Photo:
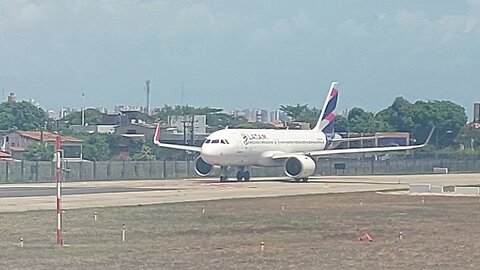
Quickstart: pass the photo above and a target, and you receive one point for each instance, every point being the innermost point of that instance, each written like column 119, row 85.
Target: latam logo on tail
column 297, row 151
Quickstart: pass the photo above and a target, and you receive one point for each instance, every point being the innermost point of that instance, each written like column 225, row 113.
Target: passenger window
column 214, row 141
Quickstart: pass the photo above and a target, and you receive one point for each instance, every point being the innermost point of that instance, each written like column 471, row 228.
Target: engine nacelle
column 202, row 168
column 299, row 166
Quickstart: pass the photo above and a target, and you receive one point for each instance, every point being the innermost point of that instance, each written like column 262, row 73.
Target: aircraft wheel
column 223, row 178
column 246, row 176
column 240, row 175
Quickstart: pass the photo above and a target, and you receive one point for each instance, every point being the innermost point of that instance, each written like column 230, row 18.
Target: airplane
column 297, row 151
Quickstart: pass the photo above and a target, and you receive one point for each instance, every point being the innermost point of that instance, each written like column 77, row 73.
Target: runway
column 41, row 196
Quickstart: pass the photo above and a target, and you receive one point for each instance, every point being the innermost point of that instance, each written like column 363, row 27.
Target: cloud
column 283, row 29
column 415, row 25
column 452, row 26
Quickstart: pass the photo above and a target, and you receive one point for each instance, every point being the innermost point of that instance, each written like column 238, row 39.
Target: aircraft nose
column 210, row 154
column 211, row 151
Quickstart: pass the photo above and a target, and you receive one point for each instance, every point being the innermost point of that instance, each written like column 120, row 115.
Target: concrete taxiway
column 41, row 196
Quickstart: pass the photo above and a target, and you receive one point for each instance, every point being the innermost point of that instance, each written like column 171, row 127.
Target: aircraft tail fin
column 326, row 119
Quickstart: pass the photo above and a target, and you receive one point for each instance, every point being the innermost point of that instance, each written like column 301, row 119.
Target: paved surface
column 25, row 197
column 29, row 191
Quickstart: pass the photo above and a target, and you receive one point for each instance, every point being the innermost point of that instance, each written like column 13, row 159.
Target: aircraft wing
column 179, row 147
column 354, row 150
column 352, row 139
column 364, row 150
column 156, row 140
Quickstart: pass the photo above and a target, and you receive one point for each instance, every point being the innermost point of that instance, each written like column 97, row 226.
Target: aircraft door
column 242, row 148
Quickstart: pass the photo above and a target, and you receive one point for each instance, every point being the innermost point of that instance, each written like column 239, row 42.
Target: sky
column 239, row 54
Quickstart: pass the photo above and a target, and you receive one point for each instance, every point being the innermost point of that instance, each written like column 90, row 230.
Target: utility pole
column 58, row 176
column 192, row 133
column 147, row 108
column 181, row 95
column 184, row 122
column 83, row 108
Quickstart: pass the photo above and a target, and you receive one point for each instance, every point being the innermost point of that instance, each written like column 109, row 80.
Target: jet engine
column 299, row 167
column 202, row 168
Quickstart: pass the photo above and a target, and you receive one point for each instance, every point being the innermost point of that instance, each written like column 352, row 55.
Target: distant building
column 298, row 125
column 52, row 114
column 102, row 109
column 476, row 112
column 199, row 123
column 261, row 116
column 4, row 156
column 34, row 102
column 473, row 125
column 279, row 116
column 254, row 115
column 106, row 129
column 245, row 113
column 12, row 97
column 122, row 108
column 136, row 130
column 278, row 124
column 66, row 111
column 125, row 117
column 17, row 142
column 377, row 139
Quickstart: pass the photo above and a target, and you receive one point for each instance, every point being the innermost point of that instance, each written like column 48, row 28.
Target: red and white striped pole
column 58, row 177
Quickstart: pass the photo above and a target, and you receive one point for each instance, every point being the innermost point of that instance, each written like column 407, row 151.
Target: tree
column 341, row 124
column 21, row 115
column 469, row 138
column 216, row 118
column 294, row 111
column 92, row 117
column 95, row 146
column 420, row 117
column 365, row 122
column 40, row 152
column 447, row 117
column 399, row 115
column 302, row 113
column 145, row 153
column 255, row 125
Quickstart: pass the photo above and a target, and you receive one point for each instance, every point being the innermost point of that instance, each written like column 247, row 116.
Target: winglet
column 156, row 138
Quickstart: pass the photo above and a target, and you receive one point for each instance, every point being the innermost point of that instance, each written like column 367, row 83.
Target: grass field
column 314, row 232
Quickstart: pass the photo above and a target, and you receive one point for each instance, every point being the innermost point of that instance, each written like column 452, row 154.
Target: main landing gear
column 243, row 174
column 305, row 179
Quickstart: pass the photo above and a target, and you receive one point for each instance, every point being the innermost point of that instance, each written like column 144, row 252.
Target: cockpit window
column 215, row 141
column 227, row 142
column 207, row 141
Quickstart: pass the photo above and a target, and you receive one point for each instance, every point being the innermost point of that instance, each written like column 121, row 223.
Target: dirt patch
column 314, row 232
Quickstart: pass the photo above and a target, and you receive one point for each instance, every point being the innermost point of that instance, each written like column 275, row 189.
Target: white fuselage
column 255, row 147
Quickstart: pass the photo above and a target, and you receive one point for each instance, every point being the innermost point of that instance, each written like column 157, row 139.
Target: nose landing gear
column 242, row 175
column 224, row 174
